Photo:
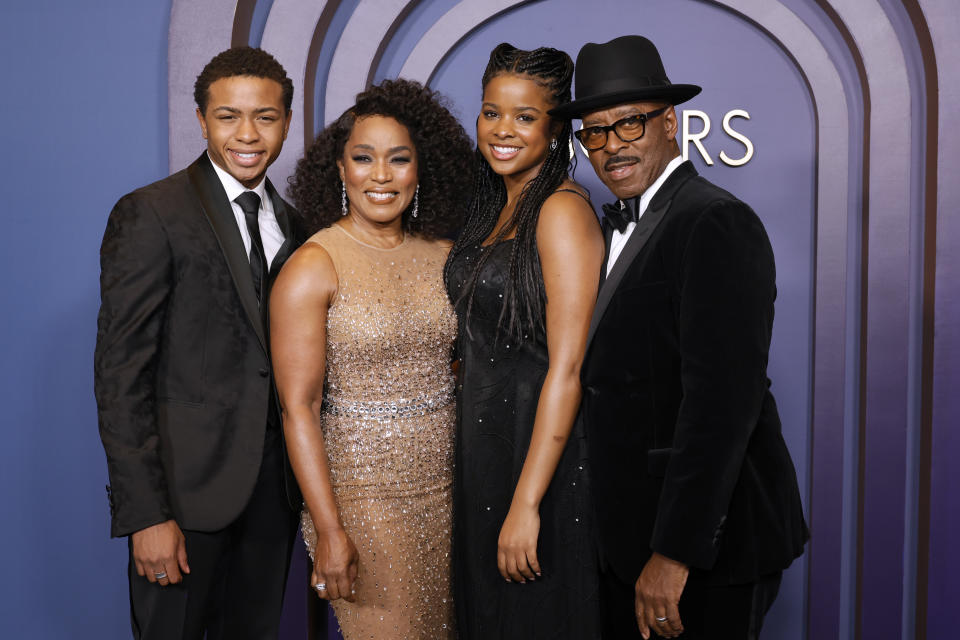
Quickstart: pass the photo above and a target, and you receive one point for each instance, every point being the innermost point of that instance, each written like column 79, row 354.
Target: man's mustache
column 615, row 160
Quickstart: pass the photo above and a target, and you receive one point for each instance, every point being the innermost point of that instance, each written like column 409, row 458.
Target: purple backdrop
column 857, row 145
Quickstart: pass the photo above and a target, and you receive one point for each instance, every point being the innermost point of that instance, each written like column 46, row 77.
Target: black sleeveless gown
column 499, row 389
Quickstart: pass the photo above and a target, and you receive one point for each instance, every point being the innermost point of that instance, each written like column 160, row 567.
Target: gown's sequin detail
column 387, row 423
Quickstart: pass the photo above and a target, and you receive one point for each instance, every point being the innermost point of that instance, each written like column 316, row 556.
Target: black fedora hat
column 626, row 69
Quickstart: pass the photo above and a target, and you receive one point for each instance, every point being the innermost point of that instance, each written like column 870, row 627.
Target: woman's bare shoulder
column 309, row 271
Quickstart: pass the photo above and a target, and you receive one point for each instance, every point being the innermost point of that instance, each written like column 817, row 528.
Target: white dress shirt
column 619, row 240
column 270, row 233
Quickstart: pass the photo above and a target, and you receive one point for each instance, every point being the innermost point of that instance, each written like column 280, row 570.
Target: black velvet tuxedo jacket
column 685, row 443
column 182, row 368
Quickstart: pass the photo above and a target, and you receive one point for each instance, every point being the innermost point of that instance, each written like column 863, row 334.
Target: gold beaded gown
column 388, row 419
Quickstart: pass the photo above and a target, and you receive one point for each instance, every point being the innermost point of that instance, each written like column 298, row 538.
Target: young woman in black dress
column 523, row 277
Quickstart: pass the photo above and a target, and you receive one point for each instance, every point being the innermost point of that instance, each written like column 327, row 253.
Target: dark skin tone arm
column 298, row 324
column 571, row 252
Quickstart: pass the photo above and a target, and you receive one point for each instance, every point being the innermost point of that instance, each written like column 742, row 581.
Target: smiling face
column 628, row 168
column 379, row 170
column 245, row 125
column 514, row 130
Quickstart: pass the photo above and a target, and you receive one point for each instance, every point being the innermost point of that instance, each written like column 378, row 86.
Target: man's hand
column 160, row 553
column 658, row 593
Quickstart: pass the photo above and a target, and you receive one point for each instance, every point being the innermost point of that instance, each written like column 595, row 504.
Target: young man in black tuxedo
column 187, row 407
column 696, row 495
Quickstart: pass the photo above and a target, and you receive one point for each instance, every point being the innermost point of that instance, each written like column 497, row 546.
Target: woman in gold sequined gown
column 361, row 333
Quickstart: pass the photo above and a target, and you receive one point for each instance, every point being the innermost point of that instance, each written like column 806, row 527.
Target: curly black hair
column 444, row 160
column 524, row 301
column 241, row 61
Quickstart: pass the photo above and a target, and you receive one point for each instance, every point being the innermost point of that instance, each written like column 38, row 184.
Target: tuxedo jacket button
column 263, row 373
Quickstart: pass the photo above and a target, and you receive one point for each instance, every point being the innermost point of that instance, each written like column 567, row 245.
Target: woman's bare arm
column 571, row 252
column 299, row 302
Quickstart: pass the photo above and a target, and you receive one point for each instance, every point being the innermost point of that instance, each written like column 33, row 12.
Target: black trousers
column 237, row 575
column 729, row 612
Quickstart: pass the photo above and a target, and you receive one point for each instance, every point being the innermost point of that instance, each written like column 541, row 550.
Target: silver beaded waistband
column 403, row 408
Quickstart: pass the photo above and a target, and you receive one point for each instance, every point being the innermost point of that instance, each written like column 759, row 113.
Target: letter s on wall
column 736, row 135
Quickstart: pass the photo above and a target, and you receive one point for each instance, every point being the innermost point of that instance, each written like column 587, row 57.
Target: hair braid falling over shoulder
column 524, row 300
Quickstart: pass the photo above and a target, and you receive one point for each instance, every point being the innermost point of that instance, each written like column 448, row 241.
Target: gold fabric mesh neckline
column 370, row 246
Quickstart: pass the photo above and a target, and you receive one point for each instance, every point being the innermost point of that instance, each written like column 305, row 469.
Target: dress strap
column 578, row 193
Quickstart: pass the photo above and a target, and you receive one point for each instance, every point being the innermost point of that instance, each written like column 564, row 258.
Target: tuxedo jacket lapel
column 220, row 214
column 641, row 233
column 607, row 237
column 647, row 224
column 286, row 226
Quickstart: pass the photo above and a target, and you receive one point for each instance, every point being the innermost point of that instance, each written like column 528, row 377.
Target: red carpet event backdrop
column 835, row 120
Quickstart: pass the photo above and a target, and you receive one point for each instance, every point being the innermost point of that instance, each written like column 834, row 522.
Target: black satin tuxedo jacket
column 685, row 441
column 182, row 368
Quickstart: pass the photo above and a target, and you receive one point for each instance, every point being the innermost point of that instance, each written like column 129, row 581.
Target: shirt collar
column 641, row 202
column 233, row 187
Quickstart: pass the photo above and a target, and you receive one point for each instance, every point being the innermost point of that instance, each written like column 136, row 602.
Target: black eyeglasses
column 627, row 129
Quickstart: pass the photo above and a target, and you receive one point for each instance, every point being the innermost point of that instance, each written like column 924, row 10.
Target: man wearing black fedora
column 696, row 495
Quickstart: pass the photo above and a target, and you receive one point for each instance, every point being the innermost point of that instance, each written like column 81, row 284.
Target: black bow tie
column 621, row 213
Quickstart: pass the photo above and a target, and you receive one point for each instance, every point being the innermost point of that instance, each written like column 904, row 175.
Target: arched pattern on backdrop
column 939, row 480
column 875, row 235
column 885, row 314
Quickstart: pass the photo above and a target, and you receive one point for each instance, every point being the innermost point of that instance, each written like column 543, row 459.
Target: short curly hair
column 444, row 160
column 241, row 61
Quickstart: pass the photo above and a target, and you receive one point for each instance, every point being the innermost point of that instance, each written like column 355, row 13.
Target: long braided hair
column 524, row 299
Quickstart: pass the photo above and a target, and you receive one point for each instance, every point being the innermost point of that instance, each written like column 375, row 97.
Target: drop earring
column 553, row 145
column 343, row 199
column 416, row 202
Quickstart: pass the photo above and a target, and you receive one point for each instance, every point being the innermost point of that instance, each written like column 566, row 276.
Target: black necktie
column 250, row 203
column 619, row 217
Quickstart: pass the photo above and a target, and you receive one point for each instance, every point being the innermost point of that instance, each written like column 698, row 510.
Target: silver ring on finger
column 320, row 586
column 660, row 620
column 160, row 575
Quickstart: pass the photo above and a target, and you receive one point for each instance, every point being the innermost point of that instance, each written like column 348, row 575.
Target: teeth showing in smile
column 505, row 151
column 380, row 197
column 619, row 169
column 246, row 156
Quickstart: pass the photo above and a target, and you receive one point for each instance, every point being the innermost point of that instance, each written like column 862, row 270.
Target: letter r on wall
column 695, row 138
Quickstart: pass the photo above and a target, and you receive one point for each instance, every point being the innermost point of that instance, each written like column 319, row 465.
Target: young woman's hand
column 517, row 545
